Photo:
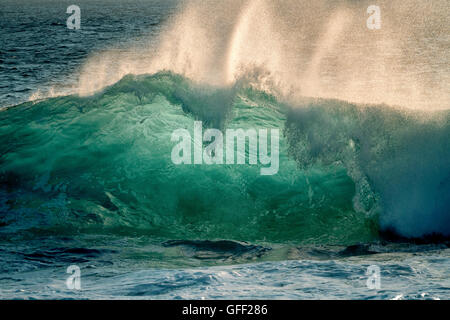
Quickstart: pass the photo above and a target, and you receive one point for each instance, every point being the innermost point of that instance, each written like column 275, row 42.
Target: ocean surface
column 86, row 177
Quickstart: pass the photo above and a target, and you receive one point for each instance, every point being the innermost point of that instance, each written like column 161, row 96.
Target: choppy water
column 136, row 268
column 87, row 180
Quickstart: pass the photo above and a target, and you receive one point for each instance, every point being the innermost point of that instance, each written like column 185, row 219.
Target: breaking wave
column 102, row 163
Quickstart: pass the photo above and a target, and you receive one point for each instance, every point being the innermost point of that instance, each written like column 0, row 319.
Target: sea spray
column 318, row 49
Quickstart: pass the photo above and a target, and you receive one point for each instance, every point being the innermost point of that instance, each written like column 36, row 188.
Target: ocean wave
column 102, row 164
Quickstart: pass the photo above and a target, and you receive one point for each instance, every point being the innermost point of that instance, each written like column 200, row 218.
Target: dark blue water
column 38, row 51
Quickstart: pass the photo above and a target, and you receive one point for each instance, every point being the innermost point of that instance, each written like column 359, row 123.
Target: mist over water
column 299, row 48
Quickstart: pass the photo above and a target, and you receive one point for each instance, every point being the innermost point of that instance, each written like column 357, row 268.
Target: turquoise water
column 103, row 163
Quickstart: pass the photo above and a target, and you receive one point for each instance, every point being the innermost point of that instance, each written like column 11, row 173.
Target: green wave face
column 102, row 164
